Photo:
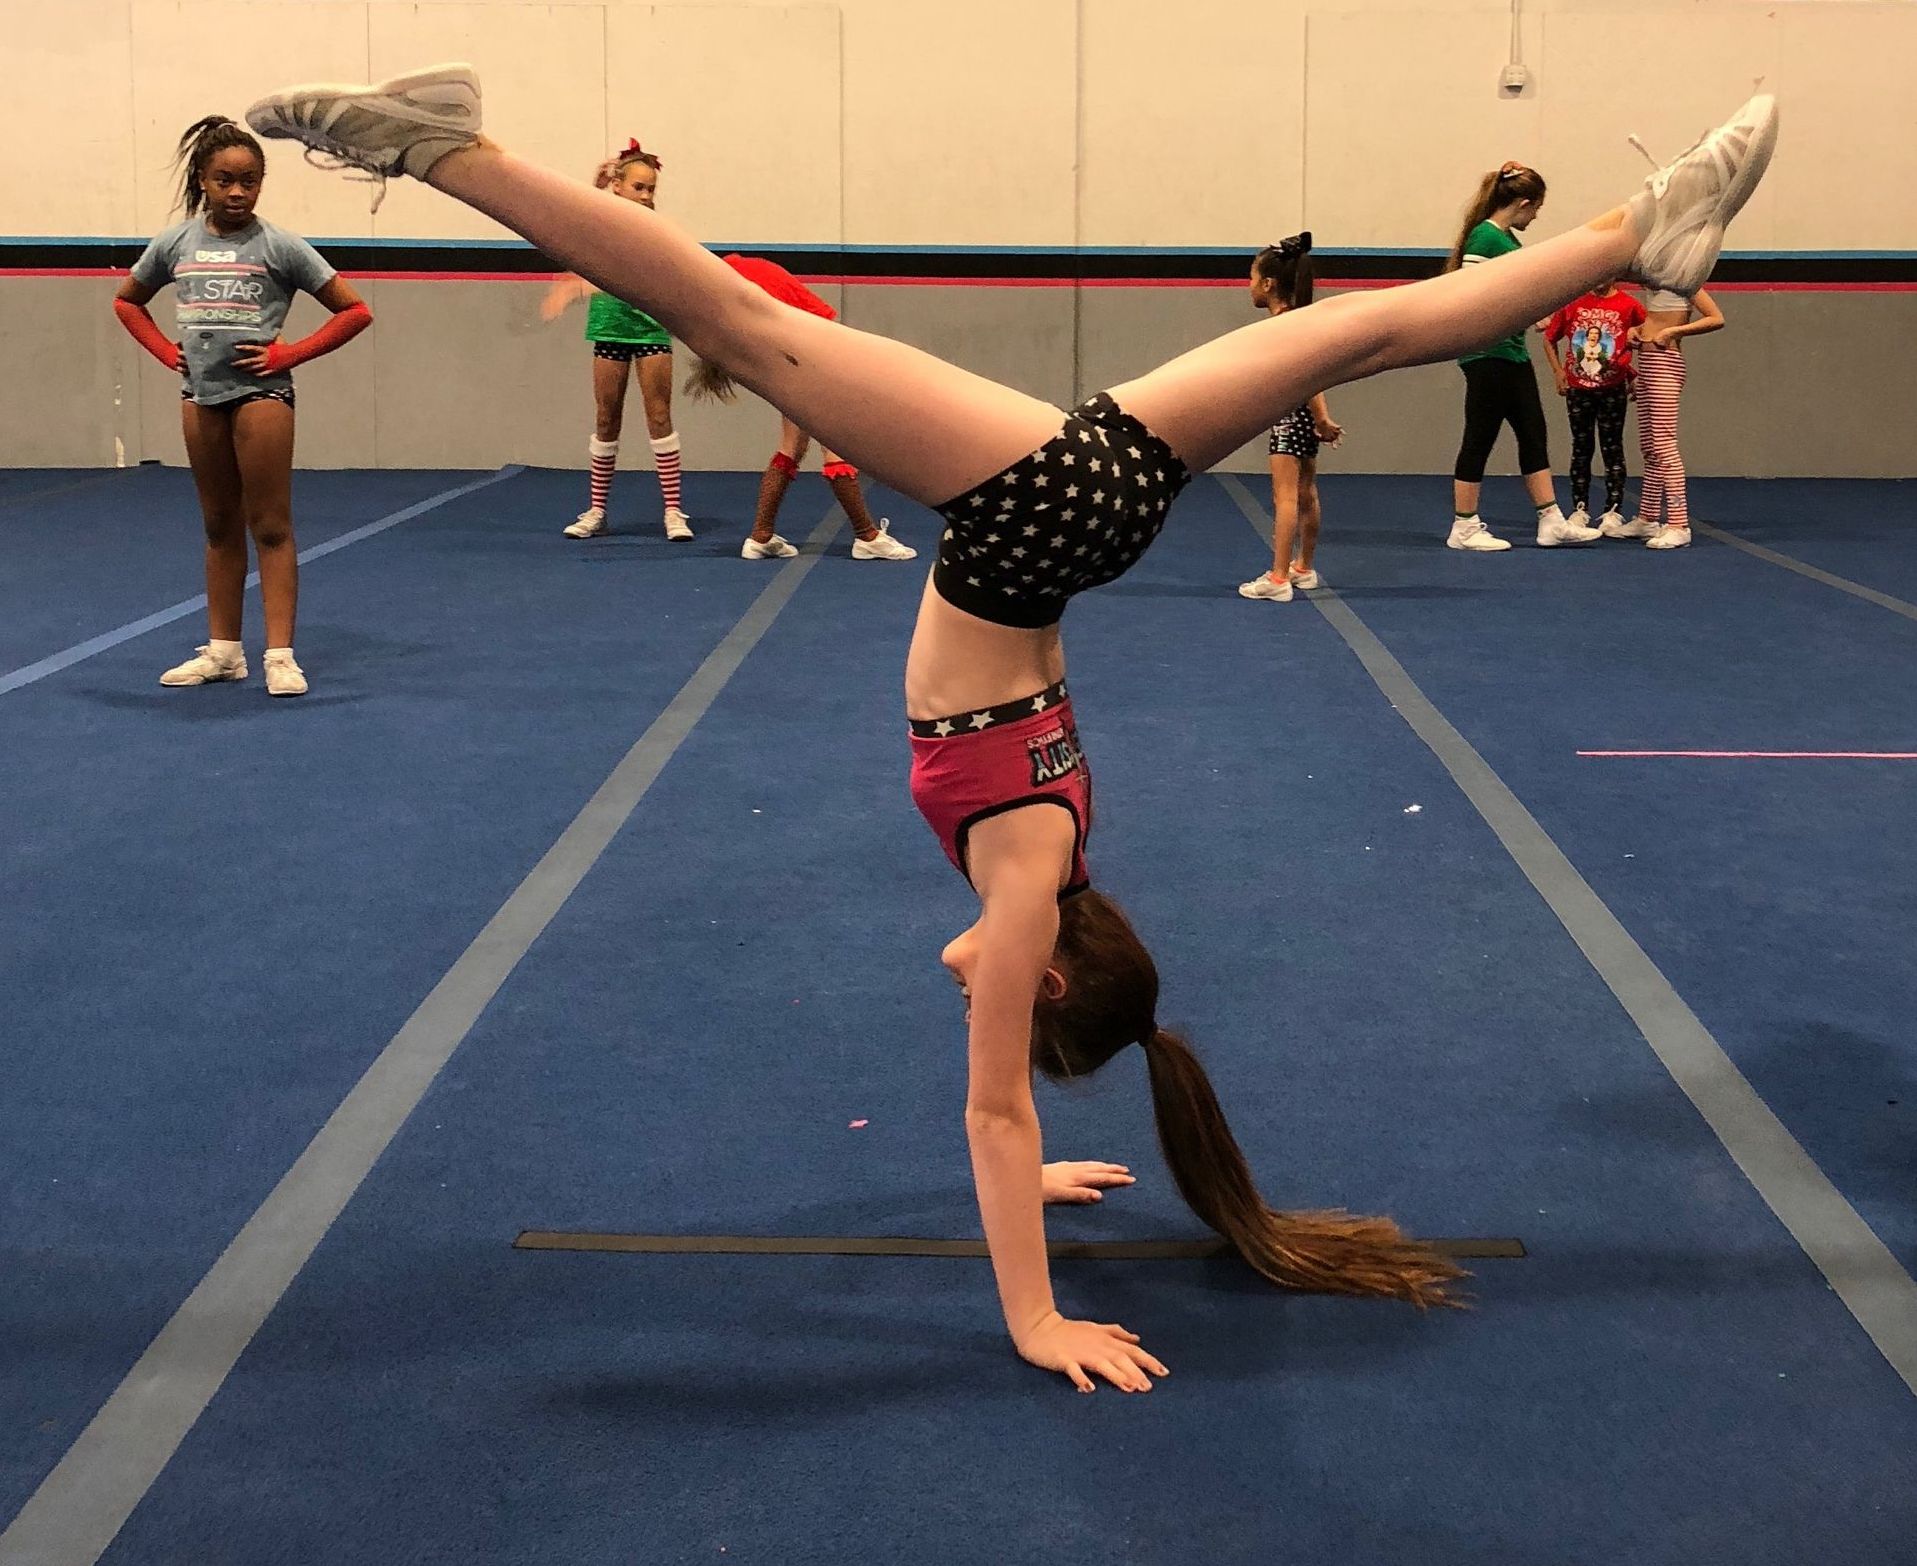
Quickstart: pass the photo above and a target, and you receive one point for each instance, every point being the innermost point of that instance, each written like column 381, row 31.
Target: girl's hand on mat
column 1083, row 1182
column 1083, row 1349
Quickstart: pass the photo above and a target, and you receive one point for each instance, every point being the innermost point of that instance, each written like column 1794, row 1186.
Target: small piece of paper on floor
column 858, row 1125
column 1412, row 810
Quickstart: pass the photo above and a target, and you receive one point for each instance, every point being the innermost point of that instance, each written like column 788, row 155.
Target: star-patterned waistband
column 963, row 723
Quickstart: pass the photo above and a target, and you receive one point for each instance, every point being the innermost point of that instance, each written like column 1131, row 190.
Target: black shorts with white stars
column 1076, row 513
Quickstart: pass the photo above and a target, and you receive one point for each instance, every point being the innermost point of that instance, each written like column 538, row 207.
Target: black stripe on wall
column 963, row 265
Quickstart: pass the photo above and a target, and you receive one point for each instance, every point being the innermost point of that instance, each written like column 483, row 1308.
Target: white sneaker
column 774, row 548
column 1669, row 538
column 206, row 669
column 1685, row 206
column 1612, row 525
column 400, row 126
column 678, row 526
column 883, row 546
column 283, row 676
column 1306, row 581
column 591, row 523
column 1555, row 528
column 1264, row 587
column 1471, row 533
column 1579, row 518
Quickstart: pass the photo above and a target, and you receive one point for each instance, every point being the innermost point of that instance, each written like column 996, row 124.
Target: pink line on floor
column 1764, row 755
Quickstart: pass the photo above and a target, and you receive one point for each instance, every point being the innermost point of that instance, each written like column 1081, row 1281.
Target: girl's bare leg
column 263, row 444
column 1309, row 515
column 655, row 390
column 608, row 397
column 1209, row 402
column 926, row 428
column 1284, row 515
column 216, row 476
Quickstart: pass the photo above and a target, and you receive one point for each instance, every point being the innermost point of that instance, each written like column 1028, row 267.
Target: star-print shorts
column 1076, row 513
column 625, row 353
column 1295, row 435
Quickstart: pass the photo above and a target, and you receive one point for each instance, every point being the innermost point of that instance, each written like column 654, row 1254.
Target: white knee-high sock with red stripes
column 665, row 452
column 605, row 458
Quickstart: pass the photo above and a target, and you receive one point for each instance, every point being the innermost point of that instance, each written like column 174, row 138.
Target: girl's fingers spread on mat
column 1083, row 1182
column 1125, row 1376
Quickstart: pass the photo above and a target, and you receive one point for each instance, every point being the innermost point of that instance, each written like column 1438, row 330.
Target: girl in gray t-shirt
column 234, row 278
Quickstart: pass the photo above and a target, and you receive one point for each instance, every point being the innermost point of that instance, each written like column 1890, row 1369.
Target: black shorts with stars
column 1076, row 513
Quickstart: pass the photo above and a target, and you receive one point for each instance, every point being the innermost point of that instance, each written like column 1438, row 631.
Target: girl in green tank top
column 626, row 344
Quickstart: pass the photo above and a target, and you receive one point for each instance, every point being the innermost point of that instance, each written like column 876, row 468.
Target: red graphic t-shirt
column 786, row 288
column 1595, row 331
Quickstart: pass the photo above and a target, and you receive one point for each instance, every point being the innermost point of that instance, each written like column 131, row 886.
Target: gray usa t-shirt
column 230, row 289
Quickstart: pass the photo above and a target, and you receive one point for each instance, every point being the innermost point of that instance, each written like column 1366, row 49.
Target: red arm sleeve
column 145, row 331
column 340, row 329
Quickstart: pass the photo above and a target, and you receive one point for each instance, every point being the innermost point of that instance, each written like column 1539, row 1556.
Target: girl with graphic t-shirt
column 234, row 277
column 1596, row 387
column 623, row 339
column 1499, row 386
column 1041, row 504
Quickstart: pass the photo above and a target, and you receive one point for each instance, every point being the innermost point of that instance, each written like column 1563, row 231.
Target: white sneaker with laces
column 1306, row 581
column 774, row 548
column 1612, row 525
column 1555, row 528
column 1264, row 587
column 1471, row 533
column 1686, row 205
column 206, row 669
column 590, row 524
column 882, row 545
column 284, row 677
column 1669, row 538
column 1579, row 518
column 403, row 125
column 678, row 526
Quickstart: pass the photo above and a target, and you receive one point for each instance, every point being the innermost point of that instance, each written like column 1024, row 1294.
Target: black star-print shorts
column 1076, row 513
column 1295, row 435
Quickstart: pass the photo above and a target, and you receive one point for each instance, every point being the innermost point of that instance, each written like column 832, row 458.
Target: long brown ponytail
column 1111, row 1000
column 198, row 142
column 1321, row 1252
column 1497, row 190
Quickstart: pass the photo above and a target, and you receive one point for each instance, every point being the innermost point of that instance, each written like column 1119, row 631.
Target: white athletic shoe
column 206, row 669
column 883, row 546
column 1612, row 525
column 1669, row 538
column 1555, row 528
column 678, row 527
column 400, row 126
column 1306, row 581
column 283, row 676
column 591, row 523
column 774, row 548
column 1579, row 518
column 1471, row 533
column 1262, row 586
column 1685, row 206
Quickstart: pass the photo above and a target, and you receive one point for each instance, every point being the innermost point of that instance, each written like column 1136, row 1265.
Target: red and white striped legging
column 1660, row 382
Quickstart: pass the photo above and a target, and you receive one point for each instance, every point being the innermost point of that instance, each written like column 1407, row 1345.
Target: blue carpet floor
column 221, row 908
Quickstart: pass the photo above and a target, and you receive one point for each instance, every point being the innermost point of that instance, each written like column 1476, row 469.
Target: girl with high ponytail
column 235, row 276
column 1500, row 386
column 1281, row 281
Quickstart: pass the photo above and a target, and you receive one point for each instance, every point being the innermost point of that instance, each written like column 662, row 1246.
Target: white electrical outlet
column 1515, row 78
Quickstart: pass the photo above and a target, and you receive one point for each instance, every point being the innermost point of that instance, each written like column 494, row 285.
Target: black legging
column 1597, row 417
column 1497, row 392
